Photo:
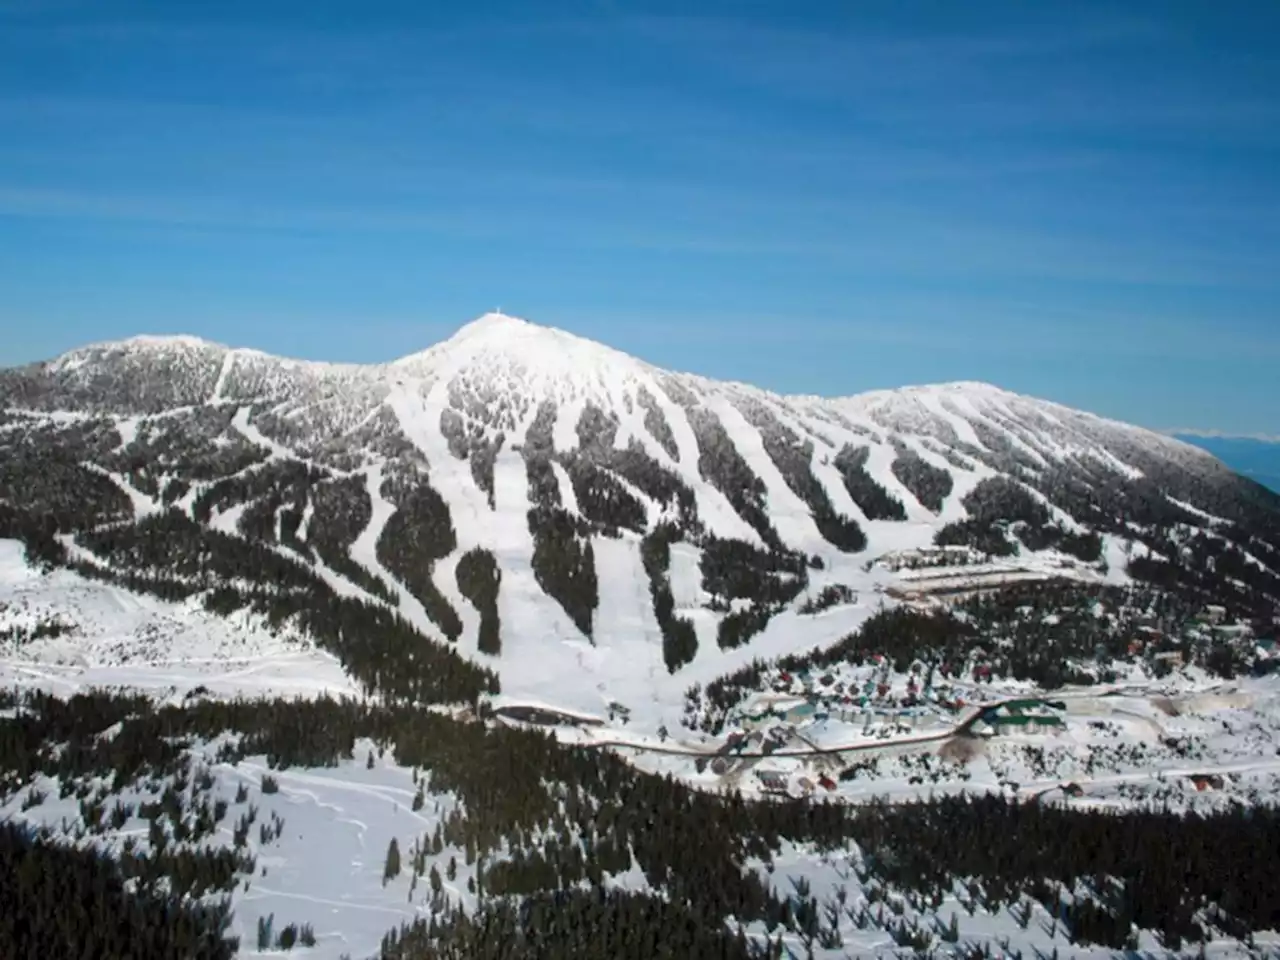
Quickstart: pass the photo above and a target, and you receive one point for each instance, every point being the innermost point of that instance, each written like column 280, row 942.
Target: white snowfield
column 112, row 637
column 325, row 868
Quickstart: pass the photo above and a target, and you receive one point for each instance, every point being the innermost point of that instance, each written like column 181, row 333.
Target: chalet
column 806, row 785
column 1073, row 790
column 799, row 713
column 1171, row 657
column 826, row 783
column 1022, row 716
column 1206, row 781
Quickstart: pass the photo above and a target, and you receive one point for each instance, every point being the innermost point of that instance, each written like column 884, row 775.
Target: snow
column 240, row 422
column 685, row 574
column 568, row 497
column 546, row 361
column 336, row 885
column 934, row 403
column 789, row 514
column 143, row 505
column 365, row 552
column 127, row 427
column 681, row 430
column 146, row 340
column 541, row 646
column 628, row 653
column 228, row 521
column 564, row 432
column 1113, row 552
column 228, row 364
column 418, row 408
column 121, row 638
column 544, row 655
column 1197, row 512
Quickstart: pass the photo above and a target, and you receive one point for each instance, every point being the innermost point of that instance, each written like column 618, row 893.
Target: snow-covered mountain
column 732, row 591
column 520, row 507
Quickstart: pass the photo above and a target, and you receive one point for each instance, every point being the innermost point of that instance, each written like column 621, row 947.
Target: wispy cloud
column 240, row 214
column 901, row 242
column 1270, row 438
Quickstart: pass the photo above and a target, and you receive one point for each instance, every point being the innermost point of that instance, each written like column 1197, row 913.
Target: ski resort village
column 879, row 724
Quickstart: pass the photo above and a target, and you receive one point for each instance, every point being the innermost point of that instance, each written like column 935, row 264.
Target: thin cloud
column 219, row 213
column 921, row 245
column 1223, row 435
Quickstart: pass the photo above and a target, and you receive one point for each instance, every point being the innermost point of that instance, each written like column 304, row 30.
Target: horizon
column 1078, row 206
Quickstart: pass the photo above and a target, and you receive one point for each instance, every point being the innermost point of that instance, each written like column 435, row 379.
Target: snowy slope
column 115, row 637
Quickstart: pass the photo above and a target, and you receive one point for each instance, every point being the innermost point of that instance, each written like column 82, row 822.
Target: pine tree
column 264, row 931
column 391, row 868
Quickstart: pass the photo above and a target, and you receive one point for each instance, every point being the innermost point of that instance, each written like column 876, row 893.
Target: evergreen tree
column 391, row 866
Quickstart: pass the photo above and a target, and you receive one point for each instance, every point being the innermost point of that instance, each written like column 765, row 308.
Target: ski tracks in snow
column 364, row 551
column 419, row 418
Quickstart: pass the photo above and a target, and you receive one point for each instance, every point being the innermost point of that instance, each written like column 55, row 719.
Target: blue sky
column 1258, row 458
column 1078, row 201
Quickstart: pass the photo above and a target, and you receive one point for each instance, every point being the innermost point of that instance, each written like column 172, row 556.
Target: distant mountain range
column 1254, row 458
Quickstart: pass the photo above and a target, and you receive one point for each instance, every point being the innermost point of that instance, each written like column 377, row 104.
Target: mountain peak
column 498, row 330
column 493, row 323
column 519, row 351
column 146, row 342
